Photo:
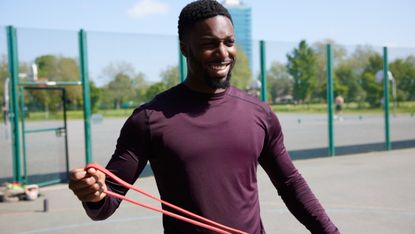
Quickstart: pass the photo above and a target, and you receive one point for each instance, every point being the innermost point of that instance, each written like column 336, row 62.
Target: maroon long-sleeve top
column 204, row 150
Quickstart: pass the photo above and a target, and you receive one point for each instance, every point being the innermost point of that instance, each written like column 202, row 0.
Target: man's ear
column 183, row 49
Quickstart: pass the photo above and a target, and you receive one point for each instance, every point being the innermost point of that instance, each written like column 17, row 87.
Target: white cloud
column 145, row 8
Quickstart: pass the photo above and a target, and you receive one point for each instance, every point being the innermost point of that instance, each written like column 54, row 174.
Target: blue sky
column 348, row 22
column 352, row 22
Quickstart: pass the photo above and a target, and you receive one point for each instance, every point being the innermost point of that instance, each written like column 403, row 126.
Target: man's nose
column 222, row 51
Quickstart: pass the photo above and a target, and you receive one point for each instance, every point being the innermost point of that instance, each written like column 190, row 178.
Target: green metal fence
column 280, row 72
column 21, row 78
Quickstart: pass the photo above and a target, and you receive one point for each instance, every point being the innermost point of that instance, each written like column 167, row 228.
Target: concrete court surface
column 301, row 132
column 363, row 193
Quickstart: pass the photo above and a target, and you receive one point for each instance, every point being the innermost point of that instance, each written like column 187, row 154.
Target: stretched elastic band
column 203, row 222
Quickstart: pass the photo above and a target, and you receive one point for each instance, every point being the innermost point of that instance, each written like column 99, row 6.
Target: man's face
column 211, row 51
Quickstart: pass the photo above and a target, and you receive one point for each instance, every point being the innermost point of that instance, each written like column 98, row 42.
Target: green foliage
column 94, row 94
column 4, row 73
column 170, row 76
column 339, row 53
column 302, row 67
column 403, row 71
column 368, row 80
column 155, row 89
column 348, row 75
column 241, row 73
column 121, row 90
column 346, row 83
column 125, row 88
column 304, row 77
column 57, row 68
column 279, row 82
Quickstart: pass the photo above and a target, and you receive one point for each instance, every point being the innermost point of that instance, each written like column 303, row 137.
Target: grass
column 75, row 114
column 401, row 108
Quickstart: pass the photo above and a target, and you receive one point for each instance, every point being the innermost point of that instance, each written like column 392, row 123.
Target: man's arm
column 127, row 162
column 291, row 186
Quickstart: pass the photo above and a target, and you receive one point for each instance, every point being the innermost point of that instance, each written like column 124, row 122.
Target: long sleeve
column 127, row 162
column 290, row 184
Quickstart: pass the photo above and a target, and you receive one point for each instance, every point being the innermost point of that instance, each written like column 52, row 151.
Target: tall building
column 241, row 16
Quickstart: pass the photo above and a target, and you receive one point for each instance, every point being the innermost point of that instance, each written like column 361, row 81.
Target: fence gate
column 44, row 135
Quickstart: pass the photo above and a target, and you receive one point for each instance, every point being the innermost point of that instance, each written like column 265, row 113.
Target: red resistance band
column 195, row 219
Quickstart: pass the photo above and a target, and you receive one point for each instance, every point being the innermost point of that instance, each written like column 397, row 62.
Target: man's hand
column 88, row 186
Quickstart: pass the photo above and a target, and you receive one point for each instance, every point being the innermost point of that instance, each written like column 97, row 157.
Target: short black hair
column 199, row 10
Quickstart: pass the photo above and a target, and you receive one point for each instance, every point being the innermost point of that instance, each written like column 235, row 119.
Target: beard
column 218, row 84
column 213, row 82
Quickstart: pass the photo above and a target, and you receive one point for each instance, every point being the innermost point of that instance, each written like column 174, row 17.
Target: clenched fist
column 88, row 185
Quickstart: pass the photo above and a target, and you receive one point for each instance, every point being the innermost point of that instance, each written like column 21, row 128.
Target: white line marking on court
column 351, row 210
column 72, row 226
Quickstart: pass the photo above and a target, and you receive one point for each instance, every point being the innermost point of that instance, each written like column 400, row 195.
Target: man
column 204, row 140
column 339, row 101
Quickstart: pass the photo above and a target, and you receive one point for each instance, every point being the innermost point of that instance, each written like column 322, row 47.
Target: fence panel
column 402, row 87
column 149, row 62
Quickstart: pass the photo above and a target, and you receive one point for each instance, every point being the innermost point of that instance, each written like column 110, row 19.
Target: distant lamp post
column 379, row 79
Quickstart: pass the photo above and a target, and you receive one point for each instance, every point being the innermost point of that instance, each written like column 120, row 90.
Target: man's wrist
column 95, row 205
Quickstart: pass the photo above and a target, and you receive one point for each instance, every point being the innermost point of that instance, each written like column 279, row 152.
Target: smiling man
column 210, row 48
column 204, row 140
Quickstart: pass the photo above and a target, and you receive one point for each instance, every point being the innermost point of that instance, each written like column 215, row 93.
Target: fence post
column 14, row 107
column 263, row 71
column 182, row 65
column 331, row 149
column 386, row 97
column 83, row 63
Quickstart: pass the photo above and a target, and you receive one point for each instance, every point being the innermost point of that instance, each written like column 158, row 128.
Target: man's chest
column 197, row 139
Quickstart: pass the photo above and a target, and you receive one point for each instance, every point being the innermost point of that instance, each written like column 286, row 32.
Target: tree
column 110, row 71
column 170, row 76
column 155, row 89
column 347, row 83
column 280, row 83
column 339, row 53
column 120, row 90
column 140, row 86
column 95, row 94
column 241, row 73
column 368, row 80
column 403, row 71
column 302, row 67
column 349, row 73
column 125, row 88
column 3, row 75
column 58, row 68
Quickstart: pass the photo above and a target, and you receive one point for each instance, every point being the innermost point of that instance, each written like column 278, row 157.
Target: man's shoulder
column 248, row 99
column 168, row 94
column 160, row 101
column 163, row 97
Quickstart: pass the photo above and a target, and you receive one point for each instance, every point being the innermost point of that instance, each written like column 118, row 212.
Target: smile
column 219, row 66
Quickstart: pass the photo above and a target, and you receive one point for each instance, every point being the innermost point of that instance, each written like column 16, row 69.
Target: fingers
column 88, row 186
column 94, row 193
column 77, row 174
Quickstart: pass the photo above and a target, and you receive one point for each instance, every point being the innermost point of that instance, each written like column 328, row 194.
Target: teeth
column 218, row 67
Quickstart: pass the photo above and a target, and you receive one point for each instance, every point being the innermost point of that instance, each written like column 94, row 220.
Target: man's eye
column 208, row 44
column 230, row 42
